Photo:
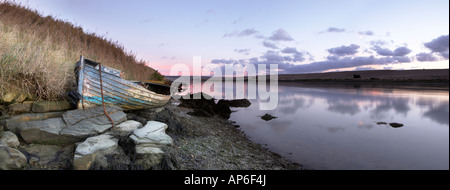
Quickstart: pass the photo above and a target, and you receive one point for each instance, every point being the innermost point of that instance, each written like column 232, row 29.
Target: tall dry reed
column 37, row 54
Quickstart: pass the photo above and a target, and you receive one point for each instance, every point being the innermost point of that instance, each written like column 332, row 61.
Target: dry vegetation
column 38, row 54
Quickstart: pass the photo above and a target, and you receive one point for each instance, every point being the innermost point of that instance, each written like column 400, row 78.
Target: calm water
column 335, row 126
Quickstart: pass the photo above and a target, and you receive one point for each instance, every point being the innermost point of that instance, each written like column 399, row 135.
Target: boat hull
column 117, row 91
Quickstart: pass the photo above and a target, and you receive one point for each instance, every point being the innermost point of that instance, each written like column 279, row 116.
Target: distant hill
column 432, row 74
column 372, row 75
column 38, row 54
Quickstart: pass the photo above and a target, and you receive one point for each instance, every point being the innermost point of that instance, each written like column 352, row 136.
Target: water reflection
column 399, row 105
column 330, row 127
column 350, row 108
column 363, row 125
column 439, row 114
column 290, row 103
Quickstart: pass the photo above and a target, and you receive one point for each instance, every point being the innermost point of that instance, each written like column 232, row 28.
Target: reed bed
column 38, row 54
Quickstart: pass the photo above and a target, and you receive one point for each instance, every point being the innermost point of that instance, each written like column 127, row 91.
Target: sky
column 300, row 36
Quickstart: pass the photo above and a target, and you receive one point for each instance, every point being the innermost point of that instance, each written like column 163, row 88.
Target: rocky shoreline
column 213, row 143
column 166, row 138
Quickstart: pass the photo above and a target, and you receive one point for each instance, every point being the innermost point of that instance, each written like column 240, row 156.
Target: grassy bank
column 37, row 54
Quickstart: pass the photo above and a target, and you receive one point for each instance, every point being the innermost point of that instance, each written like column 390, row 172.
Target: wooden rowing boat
column 126, row 94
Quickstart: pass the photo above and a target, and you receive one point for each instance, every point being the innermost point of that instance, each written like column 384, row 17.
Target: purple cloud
column 401, row 51
column 243, row 51
column 344, row 50
column 334, row 29
column 281, row 35
column 270, row 45
column 440, row 44
column 366, row 33
column 284, row 63
column 246, row 32
column 297, row 56
column 422, row 57
column 273, row 56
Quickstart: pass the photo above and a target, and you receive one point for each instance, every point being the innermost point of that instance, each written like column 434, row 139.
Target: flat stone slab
column 46, row 132
column 152, row 134
column 74, row 126
column 93, row 126
column 88, row 151
column 74, row 116
column 50, row 106
column 96, row 144
column 126, row 128
column 16, row 122
column 19, row 108
column 44, row 153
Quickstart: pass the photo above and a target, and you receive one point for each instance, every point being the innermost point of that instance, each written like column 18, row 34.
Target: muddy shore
column 210, row 143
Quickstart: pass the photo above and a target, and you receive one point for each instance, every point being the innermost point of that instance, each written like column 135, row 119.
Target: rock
column 9, row 139
column 96, row 144
column 50, row 106
column 396, row 125
column 268, row 117
column 93, row 126
column 152, row 135
column 157, row 110
column 175, row 121
column 200, row 113
column 74, row 116
column 116, row 160
column 22, row 97
column 140, row 119
column 205, row 103
column 148, row 141
column 11, row 159
column 147, row 157
column 126, row 128
column 44, row 153
column 31, row 97
column 54, row 131
column 84, row 162
column 223, row 109
column 15, row 122
column 9, row 97
column 87, row 152
column 2, row 110
column 46, row 132
column 243, row 103
column 33, row 160
column 169, row 160
column 19, row 108
column 206, row 107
